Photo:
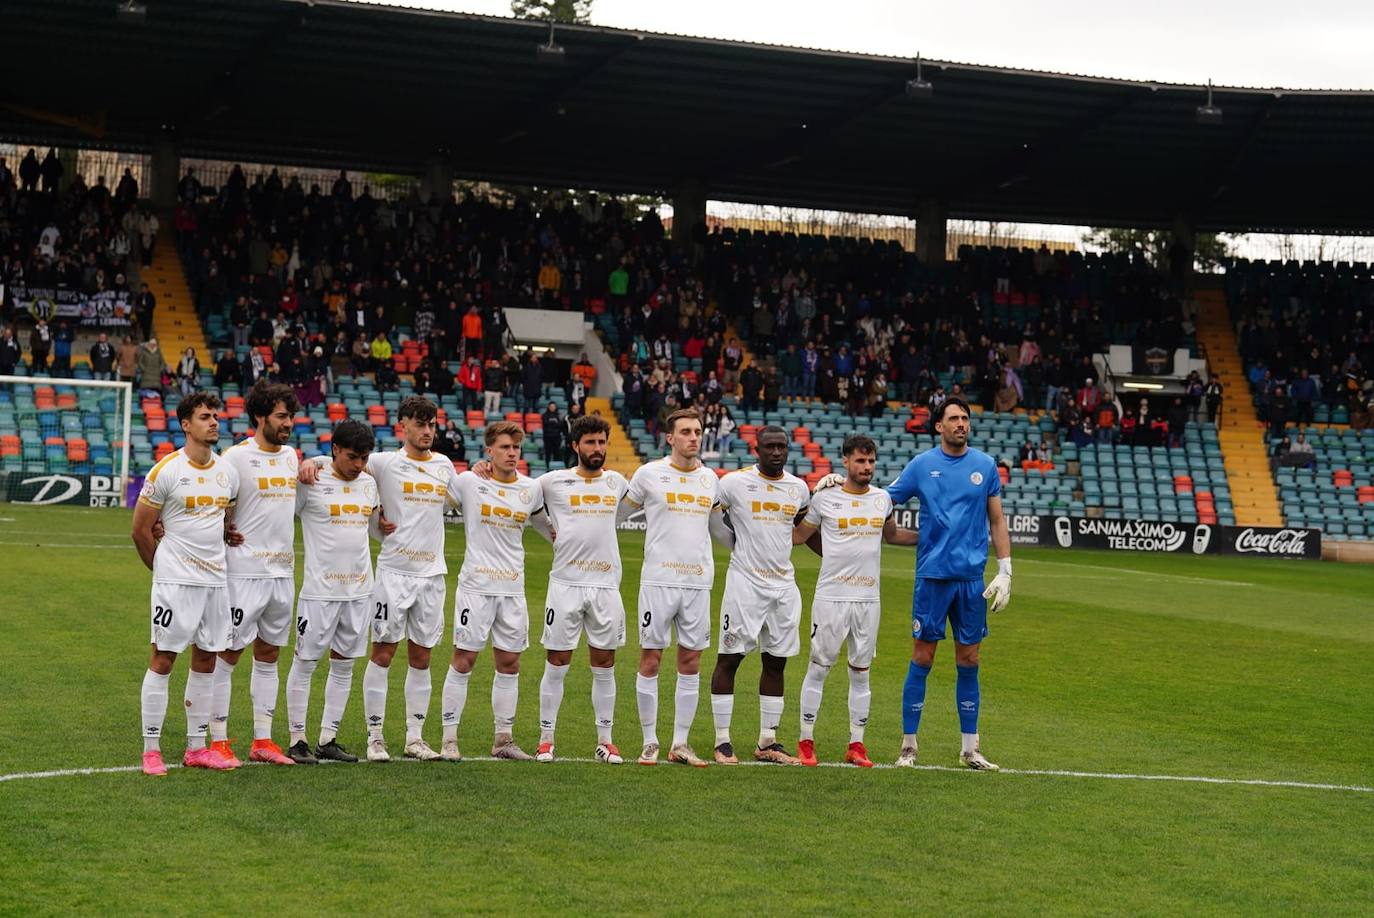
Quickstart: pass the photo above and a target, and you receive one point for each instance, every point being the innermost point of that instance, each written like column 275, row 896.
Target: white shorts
column 337, row 625
column 570, row 609
column 407, row 607
column 660, row 608
column 184, row 614
column 260, row 608
column 479, row 616
column 832, row 623
column 753, row 617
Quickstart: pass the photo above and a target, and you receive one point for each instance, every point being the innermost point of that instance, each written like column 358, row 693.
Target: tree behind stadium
column 573, row 11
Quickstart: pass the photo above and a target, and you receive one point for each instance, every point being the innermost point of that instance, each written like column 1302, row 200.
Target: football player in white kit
column 188, row 491
column 761, row 608
column 489, row 603
column 416, row 486
column 854, row 521
column 262, row 566
column 337, row 513
column 584, row 583
column 678, row 496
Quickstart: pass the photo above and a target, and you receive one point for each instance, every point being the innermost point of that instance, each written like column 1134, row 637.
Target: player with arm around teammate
column 261, row 566
column 584, row 583
column 761, row 608
column 188, row 491
column 489, row 603
column 677, row 495
column 415, row 485
column 960, row 493
column 332, row 611
column 854, row 521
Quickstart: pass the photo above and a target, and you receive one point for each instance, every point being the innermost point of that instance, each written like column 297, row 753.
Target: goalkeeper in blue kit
column 960, row 493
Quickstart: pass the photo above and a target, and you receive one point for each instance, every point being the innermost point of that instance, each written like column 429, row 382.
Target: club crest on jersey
column 525, row 497
column 976, row 478
column 222, row 479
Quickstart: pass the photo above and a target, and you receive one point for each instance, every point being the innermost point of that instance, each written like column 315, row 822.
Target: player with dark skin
column 771, row 450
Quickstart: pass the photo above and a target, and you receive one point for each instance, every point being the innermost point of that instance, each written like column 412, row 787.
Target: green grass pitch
column 1123, row 664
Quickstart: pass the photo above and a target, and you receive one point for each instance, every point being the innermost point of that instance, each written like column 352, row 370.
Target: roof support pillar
column 164, row 171
column 1181, row 252
column 932, row 215
column 689, row 218
column 436, row 177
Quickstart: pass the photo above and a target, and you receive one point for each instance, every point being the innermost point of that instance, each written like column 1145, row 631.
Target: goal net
column 69, row 441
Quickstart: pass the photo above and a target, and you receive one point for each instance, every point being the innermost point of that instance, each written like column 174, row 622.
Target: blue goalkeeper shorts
column 960, row 601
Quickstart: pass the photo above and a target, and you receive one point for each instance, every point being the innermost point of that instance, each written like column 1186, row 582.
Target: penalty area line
column 1020, row 772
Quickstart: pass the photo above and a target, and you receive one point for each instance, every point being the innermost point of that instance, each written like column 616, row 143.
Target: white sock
column 418, row 689
column 220, row 688
column 452, row 701
column 603, row 701
column 298, row 696
column 722, row 709
column 550, row 699
column 685, row 707
column 263, row 686
column 969, row 742
column 646, row 694
column 505, row 694
column 374, row 698
column 860, row 699
column 813, row 688
column 153, row 700
column 770, row 715
column 908, row 740
column 336, row 689
column 199, row 688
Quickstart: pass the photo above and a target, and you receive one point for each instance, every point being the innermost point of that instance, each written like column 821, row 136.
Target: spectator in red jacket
column 470, row 379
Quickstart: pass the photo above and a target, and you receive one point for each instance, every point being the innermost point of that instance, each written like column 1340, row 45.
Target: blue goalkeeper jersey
column 953, row 519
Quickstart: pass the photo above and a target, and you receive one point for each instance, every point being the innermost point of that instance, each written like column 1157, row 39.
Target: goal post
column 63, row 440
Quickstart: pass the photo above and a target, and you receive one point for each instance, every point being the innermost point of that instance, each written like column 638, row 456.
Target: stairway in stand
column 620, row 453
column 175, row 323
column 1244, row 447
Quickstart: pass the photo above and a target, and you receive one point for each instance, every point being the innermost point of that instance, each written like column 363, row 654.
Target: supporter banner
column 1271, row 542
column 44, row 490
column 109, row 307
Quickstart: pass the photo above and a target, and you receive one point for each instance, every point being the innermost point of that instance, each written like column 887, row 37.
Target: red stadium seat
column 476, row 418
column 10, row 445
column 78, row 450
column 336, row 411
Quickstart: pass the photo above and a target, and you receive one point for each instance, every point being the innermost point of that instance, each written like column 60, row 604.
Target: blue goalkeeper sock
column 913, row 697
column 966, row 693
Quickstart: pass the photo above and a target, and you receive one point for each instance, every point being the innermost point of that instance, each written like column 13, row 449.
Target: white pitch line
column 1023, row 772
column 66, row 545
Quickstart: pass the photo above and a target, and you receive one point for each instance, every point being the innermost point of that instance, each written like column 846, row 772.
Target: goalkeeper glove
column 830, row 481
column 999, row 590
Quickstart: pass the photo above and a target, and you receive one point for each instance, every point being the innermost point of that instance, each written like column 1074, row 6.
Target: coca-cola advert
column 1270, row 542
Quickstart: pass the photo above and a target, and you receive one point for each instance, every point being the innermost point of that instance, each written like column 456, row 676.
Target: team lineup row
column 218, row 533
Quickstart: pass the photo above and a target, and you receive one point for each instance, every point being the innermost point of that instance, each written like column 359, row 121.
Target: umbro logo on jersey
column 966, row 705
column 255, row 463
column 934, row 473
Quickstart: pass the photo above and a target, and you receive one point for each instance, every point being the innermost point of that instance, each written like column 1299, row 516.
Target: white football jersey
column 851, row 528
column 334, row 522
column 192, row 499
column 762, row 512
column 265, row 512
column 495, row 514
column 677, row 510
column 414, row 494
column 582, row 511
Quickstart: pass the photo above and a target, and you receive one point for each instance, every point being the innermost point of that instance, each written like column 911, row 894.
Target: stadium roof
column 351, row 84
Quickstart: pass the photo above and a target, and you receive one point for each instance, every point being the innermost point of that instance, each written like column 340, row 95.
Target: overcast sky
column 1320, row 44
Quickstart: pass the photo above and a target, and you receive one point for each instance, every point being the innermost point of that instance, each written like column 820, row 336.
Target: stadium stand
column 1307, row 341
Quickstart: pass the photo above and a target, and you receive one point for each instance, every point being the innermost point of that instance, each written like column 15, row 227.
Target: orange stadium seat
column 78, row 450
column 66, row 401
column 233, row 407
column 10, row 445
column 337, row 411
column 476, row 418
